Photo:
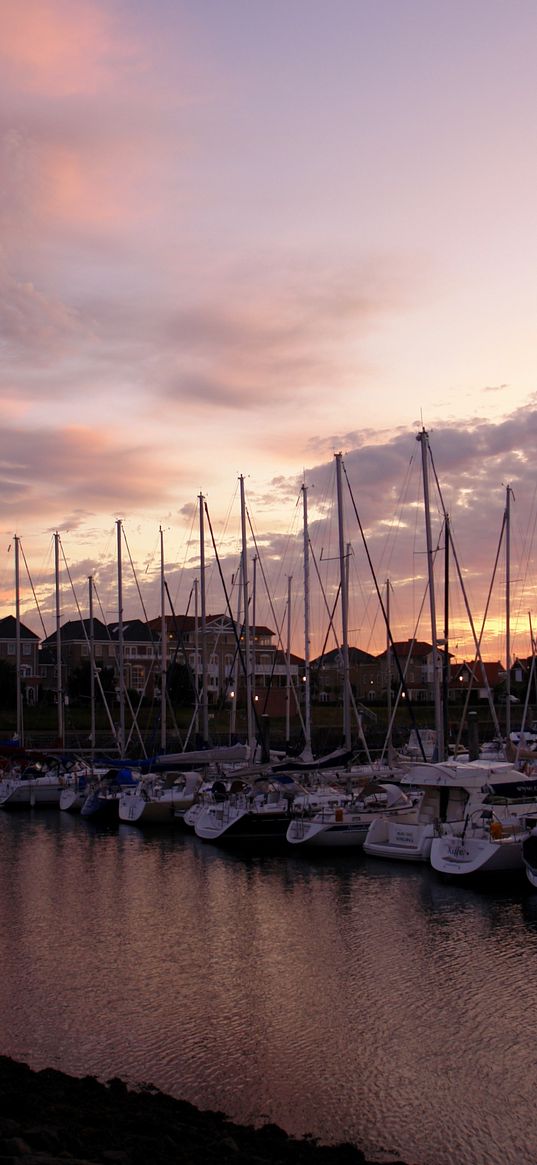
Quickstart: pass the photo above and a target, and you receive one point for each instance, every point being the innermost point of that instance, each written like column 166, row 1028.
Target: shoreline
column 51, row 1118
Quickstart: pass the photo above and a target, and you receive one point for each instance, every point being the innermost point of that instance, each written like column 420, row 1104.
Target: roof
column 134, row 631
column 334, row 658
column 8, row 629
column 414, row 648
column 79, row 631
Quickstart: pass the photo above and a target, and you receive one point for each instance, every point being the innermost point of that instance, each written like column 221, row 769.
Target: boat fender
column 339, row 814
column 496, row 829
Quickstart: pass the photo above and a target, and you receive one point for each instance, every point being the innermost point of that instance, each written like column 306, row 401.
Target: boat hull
column 399, row 840
column 224, row 826
column 28, row 793
column 460, row 857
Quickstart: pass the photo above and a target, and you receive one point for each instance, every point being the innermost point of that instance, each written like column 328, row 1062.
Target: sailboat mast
column 163, row 647
column 247, row 659
column 20, row 735
column 508, row 612
column 307, row 641
column 59, row 684
column 120, row 649
column 423, row 438
column 204, row 684
column 344, row 608
column 388, row 667
column 92, row 666
column 288, row 659
column 445, row 663
column 196, row 657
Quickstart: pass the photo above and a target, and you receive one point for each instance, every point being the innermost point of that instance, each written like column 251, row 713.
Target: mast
column 252, row 629
column 247, row 659
column 163, row 647
column 445, row 657
column 204, row 685
column 20, row 733
column 92, row 667
column 508, row 492
column 288, row 681
column 388, row 668
column 59, row 685
column 307, row 753
column 121, row 655
column 344, row 608
column 423, row 438
column 196, row 657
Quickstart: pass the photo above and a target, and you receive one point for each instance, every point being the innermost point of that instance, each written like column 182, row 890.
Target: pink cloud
column 59, row 47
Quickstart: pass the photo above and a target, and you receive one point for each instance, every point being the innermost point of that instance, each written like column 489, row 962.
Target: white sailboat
column 493, row 835
column 450, row 793
column 345, row 825
column 30, row 786
column 159, row 798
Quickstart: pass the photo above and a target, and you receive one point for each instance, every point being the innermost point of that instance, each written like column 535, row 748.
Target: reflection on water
column 343, row 997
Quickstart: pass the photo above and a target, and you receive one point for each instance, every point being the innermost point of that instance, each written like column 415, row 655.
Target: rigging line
column 394, row 528
column 402, row 678
column 103, row 613
column 230, row 613
column 92, row 661
column 181, row 645
column 142, row 604
column 386, row 556
column 33, row 589
column 477, row 643
column 481, row 633
column 186, row 551
column 281, row 646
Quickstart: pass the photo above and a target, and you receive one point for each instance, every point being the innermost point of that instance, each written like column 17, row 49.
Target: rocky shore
column 49, row 1118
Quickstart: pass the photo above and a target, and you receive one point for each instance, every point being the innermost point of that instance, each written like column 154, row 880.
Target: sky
column 236, row 239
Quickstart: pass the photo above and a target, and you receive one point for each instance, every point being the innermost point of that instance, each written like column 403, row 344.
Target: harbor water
column 343, row 997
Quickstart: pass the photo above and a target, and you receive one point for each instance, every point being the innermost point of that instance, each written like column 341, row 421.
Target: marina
column 344, row 997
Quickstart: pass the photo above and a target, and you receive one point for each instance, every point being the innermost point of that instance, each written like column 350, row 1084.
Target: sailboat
column 451, row 794
column 346, row 824
column 159, row 798
column 494, row 832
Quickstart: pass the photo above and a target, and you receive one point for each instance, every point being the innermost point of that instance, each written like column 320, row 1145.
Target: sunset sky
column 238, row 237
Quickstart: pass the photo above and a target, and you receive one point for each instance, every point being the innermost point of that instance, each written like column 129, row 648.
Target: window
column 27, row 649
column 137, row 679
column 11, row 649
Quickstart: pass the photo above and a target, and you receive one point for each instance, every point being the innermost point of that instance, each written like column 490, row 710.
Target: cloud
column 50, row 472
column 60, row 47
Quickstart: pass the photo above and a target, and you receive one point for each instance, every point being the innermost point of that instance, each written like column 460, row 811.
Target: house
column 477, row 676
column 225, row 642
column 29, row 646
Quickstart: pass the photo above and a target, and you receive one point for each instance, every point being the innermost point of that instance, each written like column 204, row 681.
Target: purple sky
column 238, row 237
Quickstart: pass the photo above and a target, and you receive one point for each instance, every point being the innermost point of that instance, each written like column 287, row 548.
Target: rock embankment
column 49, row 1118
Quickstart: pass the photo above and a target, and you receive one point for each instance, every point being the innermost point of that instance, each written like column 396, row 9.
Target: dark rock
column 57, row 1119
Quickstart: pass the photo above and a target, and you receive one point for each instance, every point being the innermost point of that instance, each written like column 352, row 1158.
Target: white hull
column 241, row 823
column 153, row 803
column 138, row 810
column 326, row 835
column 399, row 840
column 71, row 800
column 347, row 825
column 461, row 857
column 39, row 791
